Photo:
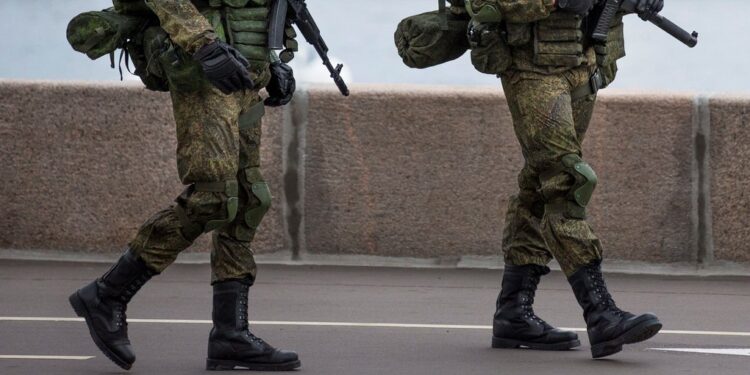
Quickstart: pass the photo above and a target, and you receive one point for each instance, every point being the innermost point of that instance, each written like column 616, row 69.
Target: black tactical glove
column 224, row 67
column 647, row 9
column 282, row 85
column 581, row 7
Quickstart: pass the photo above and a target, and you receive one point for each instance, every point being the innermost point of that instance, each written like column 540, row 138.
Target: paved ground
column 442, row 322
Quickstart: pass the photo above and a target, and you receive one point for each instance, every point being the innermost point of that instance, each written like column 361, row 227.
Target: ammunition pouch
column 558, row 41
column 427, row 40
column 490, row 53
column 168, row 63
column 608, row 53
column 244, row 25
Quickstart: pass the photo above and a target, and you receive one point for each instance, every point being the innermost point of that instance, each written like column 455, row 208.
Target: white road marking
column 740, row 352
column 347, row 324
column 48, row 357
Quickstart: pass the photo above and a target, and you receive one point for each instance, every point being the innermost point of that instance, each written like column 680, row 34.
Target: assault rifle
column 611, row 7
column 296, row 12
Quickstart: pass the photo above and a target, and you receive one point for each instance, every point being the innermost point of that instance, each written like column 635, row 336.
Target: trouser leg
column 208, row 144
column 232, row 257
column 550, row 128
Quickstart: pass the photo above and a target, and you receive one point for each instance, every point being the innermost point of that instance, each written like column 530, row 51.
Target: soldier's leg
column 207, row 158
column 549, row 135
column 609, row 327
column 232, row 255
column 526, row 257
column 207, row 161
column 233, row 267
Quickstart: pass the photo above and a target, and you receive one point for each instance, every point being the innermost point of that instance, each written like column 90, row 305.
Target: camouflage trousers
column 215, row 149
column 549, row 125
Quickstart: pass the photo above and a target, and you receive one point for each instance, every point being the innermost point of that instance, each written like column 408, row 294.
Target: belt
column 591, row 87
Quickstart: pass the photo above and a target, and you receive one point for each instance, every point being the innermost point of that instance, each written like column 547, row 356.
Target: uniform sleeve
column 184, row 23
column 524, row 11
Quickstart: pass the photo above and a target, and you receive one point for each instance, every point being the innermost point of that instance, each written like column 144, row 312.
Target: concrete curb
column 721, row 269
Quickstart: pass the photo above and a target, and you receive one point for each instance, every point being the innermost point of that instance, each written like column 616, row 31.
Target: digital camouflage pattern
column 518, row 11
column 184, row 23
column 549, row 125
column 213, row 148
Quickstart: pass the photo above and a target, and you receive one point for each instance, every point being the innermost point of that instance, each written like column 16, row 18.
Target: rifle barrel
column 690, row 40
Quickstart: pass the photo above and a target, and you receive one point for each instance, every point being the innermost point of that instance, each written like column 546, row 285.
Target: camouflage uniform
column 544, row 71
column 218, row 154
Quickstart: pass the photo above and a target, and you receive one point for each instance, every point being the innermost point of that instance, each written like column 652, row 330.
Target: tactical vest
column 157, row 60
column 550, row 45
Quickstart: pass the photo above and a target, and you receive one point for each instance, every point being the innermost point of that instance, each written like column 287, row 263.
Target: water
column 360, row 34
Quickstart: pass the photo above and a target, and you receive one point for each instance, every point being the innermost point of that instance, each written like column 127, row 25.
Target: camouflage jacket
column 184, row 23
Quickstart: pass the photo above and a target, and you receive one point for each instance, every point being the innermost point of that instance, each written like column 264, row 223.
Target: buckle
column 596, row 82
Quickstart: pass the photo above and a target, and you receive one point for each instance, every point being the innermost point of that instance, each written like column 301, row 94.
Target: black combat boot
column 231, row 345
column 103, row 303
column 515, row 324
column 608, row 326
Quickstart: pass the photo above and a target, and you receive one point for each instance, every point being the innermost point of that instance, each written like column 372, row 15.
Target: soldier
column 214, row 87
column 551, row 72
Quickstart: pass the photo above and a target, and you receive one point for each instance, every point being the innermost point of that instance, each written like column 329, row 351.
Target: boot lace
column 604, row 299
column 243, row 317
column 120, row 304
column 527, row 301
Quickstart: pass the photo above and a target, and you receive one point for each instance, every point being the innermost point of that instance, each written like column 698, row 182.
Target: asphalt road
column 356, row 320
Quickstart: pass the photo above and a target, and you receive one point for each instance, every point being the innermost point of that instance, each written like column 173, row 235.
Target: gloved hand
column 282, row 85
column 647, row 9
column 580, row 7
column 224, row 67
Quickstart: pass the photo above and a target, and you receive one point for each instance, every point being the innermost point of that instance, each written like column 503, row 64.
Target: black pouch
column 167, row 62
column 132, row 7
column 490, row 52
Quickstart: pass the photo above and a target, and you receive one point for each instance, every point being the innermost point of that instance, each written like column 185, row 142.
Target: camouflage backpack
column 98, row 34
column 432, row 38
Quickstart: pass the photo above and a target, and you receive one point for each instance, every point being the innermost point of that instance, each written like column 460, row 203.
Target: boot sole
column 226, row 365
column 639, row 333
column 80, row 308
column 501, row 343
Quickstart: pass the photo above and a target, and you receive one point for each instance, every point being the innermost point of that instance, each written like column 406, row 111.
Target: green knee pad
column 192, row 228
column 259, row 189
column 574, row 205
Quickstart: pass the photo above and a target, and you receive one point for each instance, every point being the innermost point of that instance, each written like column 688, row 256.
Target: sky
column 360, row 35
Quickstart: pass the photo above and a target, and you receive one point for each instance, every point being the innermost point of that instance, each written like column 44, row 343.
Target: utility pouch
column 167, row 61
column 517, row 34
column 137, row 53
column 98, row 34
column 490, row 53
column 558, row 41
column 614, row 48
column 425, row 40
column 247, row 30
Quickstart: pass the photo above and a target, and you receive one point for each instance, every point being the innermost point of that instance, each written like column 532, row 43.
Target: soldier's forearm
column 183, row 22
